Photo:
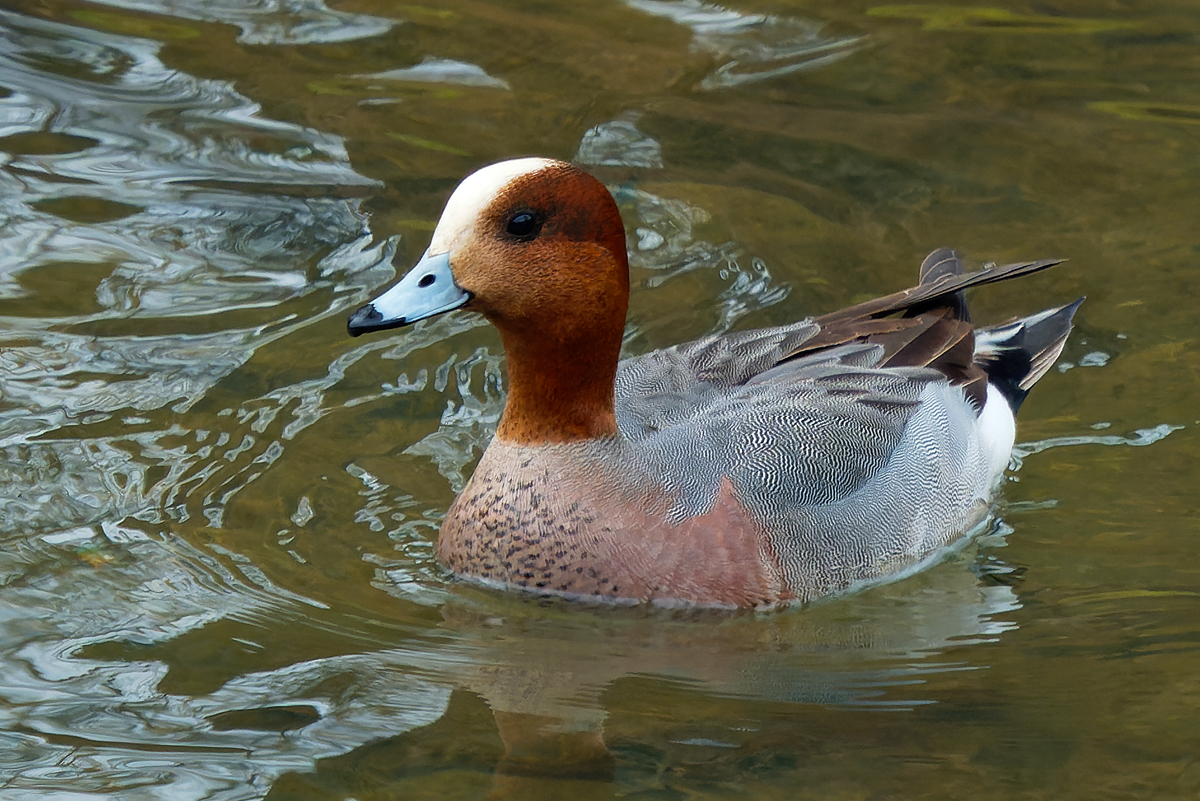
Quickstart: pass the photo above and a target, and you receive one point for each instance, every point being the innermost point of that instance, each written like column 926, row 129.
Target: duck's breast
column 592, row 519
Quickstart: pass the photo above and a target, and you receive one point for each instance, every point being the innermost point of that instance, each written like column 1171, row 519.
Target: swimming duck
column 747, row 469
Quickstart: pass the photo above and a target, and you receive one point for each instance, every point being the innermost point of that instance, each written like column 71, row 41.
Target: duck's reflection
column 534, row 684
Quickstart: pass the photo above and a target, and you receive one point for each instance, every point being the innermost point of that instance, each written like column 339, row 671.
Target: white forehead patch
column 473, row 195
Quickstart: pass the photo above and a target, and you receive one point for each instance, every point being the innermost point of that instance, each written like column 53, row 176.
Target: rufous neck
column 560, row 390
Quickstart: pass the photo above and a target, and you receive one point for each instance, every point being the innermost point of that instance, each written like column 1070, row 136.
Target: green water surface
column 217, row 511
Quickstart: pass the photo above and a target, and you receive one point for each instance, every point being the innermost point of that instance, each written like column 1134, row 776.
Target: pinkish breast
column 579, row 519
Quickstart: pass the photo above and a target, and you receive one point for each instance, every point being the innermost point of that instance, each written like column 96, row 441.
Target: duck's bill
column 427, row 290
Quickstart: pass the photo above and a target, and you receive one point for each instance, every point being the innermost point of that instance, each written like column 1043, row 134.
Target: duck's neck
column 560, row 389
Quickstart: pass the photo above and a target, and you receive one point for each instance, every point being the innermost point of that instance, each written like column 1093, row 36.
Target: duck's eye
column 524, row 225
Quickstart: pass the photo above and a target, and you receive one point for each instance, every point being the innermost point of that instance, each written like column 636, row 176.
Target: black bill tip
column 368, row 319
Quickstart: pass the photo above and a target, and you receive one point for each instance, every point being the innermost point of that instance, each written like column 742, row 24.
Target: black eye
column 524, row 225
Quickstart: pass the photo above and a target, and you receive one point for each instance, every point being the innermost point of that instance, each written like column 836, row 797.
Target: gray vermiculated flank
column 855, row 472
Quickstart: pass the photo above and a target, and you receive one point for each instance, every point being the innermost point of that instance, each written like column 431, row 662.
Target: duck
column 745, row 470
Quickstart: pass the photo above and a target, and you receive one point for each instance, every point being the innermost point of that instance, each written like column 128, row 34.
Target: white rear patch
column 473, row 195
column 997, row 431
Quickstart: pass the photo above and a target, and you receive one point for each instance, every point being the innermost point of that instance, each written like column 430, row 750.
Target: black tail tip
column 1023, row 351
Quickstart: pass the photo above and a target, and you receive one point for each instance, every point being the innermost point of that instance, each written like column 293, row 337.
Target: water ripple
column 280, row 22
column 666, row 243
column 78, row 724
column 441, row 70
column 193, row 235
column 154, row 126
column 619, row 143
column 170, row 194
column 1140, row 438
column 82, row 722
column 750, row 47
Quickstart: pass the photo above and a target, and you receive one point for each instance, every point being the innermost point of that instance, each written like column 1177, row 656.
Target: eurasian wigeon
column 747, row 469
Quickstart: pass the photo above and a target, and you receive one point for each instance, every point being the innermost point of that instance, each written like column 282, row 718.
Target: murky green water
column 217, row 510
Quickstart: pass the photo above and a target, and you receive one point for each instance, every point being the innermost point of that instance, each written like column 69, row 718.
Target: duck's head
column 537, row 247
column 523, row 242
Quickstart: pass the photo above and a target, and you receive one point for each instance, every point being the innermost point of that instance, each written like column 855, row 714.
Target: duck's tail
column 935, row 331
column 1016, row 354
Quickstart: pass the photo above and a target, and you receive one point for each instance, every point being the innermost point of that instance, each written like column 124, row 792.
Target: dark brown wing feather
column 943, row 261
column 946, row 284
column 936, row 333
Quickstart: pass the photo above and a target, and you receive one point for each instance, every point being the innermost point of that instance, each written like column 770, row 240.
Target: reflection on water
column 200, row 231
column 440, row 70
column 84, row 723
column 948, row 17
column 619, row 143
column 260, row 21
column 217, row 512
column 750, row 47
column 186, row 283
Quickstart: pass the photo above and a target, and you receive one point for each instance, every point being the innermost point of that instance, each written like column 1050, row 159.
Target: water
column 217, row 510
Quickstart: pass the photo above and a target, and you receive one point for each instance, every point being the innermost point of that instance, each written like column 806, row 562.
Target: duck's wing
column 844, row 436
column 935, row 290
column 850, row 471
column 935, row 330
column 662, row 388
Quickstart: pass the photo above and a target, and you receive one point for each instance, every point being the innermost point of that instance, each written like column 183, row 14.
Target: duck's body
column 743, row 470
column 769, row 494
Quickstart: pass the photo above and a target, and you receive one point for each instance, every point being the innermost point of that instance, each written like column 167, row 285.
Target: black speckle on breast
column 515, row 529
